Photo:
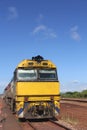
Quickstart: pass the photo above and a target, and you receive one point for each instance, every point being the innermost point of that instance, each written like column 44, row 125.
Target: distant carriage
column 34, row 89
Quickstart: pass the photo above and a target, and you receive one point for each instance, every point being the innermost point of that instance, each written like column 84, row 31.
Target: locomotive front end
column 36, row 89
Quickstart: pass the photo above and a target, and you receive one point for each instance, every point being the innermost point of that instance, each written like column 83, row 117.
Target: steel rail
column 61, row 125
column 31, row 125
column 74, row 99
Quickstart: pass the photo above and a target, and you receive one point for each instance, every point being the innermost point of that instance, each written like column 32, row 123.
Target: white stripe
column 21, row 115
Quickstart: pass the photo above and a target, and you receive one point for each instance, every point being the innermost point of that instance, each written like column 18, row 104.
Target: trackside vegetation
column 82, row 94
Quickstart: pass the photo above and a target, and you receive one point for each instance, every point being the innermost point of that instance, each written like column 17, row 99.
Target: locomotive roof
column 37, row 61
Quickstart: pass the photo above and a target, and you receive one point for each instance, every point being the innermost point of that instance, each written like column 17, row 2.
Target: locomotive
column 34, row 91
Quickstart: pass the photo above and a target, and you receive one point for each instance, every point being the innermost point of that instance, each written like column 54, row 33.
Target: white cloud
column 45, row 31
column 74, row 33
column 74, row 28
column 75, row 36
column 13, row 14
column 39, row 29
column 75, row 81
column 42, row 29
column 52, row 35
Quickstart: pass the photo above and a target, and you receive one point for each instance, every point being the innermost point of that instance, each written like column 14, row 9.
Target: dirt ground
column 75, row 114
column 71, row 112
column 7, row 120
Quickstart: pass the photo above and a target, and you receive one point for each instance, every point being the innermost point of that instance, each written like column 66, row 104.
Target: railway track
column 61, row 125
column 79, row 102
column 45, row 125
column 74, row 99
column 31, row 125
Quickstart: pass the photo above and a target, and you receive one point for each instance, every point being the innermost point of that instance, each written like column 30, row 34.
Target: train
column 34, row 90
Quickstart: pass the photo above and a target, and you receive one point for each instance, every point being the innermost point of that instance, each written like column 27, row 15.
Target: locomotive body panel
column 37, row 88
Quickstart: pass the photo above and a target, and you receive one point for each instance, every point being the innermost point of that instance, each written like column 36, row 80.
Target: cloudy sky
column 55, row 29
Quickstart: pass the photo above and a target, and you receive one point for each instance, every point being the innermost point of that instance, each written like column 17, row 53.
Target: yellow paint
column 37, row 98
column 57, row 104
column 37, row 88
column 25, row 63
column 19, row 105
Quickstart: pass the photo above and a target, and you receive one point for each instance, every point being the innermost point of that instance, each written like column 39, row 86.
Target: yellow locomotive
column 34, row 89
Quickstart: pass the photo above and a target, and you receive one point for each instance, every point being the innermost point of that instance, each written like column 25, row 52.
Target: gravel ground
column 74, row 114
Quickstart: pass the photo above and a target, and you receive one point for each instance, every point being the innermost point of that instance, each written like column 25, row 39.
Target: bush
column 75, row 94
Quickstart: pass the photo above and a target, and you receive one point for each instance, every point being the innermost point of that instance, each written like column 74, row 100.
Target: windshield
column 37, row 74
column 27, row 74
column 47, row 74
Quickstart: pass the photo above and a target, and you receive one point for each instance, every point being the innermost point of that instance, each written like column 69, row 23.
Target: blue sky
column 55, row 29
